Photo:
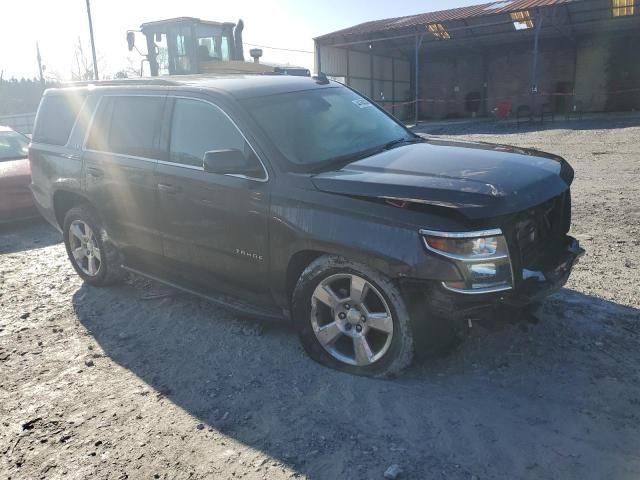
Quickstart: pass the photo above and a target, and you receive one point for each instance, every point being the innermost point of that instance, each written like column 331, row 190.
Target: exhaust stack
column 237, row 40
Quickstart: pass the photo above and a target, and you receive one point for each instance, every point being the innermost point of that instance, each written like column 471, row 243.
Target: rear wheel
column 352, row 318
column 92, row 255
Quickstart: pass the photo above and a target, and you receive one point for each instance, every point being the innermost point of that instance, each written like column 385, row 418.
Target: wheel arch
column 65, row 200
column 301, row 259
column 298, row 262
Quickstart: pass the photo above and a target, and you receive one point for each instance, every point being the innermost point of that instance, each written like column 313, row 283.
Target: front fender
column 368, row 237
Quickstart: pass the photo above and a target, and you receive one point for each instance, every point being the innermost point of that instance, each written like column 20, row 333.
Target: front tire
column 92, row 255
column 352, row 318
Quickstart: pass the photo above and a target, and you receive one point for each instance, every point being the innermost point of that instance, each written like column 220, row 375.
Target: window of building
column 127, row 125
column 522, row 20
column 438, row 31
column 56, row 118
column 199, row 127
column 622, row 8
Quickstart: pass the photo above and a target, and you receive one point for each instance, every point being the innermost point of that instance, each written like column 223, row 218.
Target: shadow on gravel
column 508, row 127
column 541, row 401
column 27, row 235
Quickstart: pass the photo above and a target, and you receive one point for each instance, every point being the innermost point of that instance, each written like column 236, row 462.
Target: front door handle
column 168, row 189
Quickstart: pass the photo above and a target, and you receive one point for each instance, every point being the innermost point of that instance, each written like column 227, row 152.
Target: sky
column 58, row 24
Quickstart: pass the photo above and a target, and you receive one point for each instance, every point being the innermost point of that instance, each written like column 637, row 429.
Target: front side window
column 198, row 127
column 12, row 146
column 128, row 126
column 316, row 127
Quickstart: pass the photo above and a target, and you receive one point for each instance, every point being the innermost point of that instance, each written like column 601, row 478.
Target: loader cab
column 187, row 45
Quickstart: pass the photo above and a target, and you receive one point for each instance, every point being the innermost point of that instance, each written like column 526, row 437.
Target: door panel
column 122, row 151
column 123, row 189
column 215, row 227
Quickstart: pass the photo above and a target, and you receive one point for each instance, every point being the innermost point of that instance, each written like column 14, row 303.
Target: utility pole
column 93, row 45
column 40, row 64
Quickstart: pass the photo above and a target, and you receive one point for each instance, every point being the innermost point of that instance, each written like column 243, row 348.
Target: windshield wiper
column 400, row 141
column 344, row 160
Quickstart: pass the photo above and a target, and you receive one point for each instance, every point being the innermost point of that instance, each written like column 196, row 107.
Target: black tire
column 400, row 351
column 110, row 270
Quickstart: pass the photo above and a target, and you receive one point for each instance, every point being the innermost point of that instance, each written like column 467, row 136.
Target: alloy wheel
column 351, row 319
column 84, row 248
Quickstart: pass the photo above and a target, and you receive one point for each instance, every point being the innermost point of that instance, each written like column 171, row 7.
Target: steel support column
column 318, row 56
column 417, row 75
column 534, row 67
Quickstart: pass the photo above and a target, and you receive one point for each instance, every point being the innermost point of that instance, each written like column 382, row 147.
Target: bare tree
column 83, row 68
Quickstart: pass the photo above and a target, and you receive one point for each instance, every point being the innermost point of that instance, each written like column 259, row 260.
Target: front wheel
column 352, row 318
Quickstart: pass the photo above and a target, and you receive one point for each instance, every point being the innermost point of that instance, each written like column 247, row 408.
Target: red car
column 16, row 200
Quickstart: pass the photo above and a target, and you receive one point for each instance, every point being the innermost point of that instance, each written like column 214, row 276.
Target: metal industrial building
column 547, row 55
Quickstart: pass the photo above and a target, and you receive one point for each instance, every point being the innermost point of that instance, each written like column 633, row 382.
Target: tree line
column 21, row 96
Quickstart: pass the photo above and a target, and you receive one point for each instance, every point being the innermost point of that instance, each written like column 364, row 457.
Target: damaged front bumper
column 537, row 284
column 530, row 286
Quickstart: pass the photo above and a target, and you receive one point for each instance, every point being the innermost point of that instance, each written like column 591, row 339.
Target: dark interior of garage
column 508, row 58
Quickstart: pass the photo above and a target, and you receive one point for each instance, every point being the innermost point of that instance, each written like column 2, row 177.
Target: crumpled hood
column 480, row 180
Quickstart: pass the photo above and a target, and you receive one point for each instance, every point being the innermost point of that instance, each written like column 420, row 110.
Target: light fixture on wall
column 438, row 31
column 522, row 20
column 622, row 8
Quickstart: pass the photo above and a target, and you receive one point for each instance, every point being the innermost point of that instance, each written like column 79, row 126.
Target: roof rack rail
column 124, row 81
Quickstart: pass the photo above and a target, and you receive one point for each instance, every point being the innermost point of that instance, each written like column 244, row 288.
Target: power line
column 278, row 48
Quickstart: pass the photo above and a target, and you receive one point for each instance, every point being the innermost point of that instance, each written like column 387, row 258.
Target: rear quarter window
column 56, row 117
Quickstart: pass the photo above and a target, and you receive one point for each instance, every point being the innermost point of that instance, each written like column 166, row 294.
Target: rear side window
column 127, row 125
column 56, row 117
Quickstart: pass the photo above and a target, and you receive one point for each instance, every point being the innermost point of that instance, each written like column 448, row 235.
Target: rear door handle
column 168, row 189
column 95, row 172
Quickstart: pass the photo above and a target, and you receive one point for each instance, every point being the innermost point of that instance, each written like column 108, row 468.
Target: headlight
column 482, row 258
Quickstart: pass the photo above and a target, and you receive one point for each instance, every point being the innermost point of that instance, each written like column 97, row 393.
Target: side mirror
column 227, row 161
column 131, row 40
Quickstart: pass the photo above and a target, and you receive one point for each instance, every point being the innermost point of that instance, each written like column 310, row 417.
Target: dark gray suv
column 298, row 198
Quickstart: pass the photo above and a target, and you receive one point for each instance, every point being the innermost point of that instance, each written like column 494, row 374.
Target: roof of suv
column 240, row 86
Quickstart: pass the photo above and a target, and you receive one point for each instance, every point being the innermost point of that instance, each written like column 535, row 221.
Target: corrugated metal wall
column 384, row 79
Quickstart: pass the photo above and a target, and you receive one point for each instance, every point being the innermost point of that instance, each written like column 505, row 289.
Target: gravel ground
column 140, row 381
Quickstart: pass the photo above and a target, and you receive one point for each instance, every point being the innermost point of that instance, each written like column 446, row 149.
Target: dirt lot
column 143, row 382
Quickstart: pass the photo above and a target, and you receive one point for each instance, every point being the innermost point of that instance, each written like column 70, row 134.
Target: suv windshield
column 13, row 146
column 314, row 129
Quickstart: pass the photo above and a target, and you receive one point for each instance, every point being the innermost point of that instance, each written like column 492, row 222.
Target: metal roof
column 472, row 11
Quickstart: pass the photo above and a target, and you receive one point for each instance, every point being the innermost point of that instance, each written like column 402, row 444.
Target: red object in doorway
column 503, row 109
